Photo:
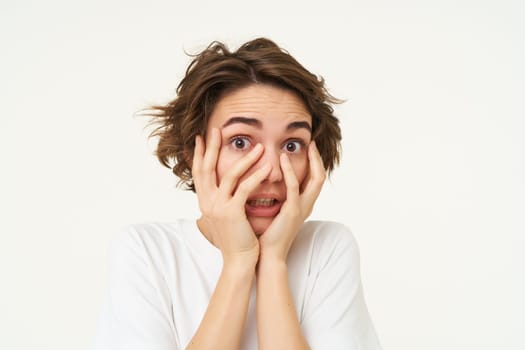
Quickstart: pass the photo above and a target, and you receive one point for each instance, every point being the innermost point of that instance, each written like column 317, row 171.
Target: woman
column 253, row 133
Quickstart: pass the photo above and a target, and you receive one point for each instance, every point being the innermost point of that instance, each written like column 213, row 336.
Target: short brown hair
column 217, row 71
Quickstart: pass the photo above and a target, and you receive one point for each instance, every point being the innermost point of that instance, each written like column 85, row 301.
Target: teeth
column 262, row 202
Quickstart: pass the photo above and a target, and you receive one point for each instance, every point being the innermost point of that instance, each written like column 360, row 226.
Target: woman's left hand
column 276, row 241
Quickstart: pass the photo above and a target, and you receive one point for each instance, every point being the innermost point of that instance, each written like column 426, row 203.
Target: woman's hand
column 300, row 198
column 223, row 205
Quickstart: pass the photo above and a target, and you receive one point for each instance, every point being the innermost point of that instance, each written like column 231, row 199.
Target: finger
column 292, row 185
column 316, row 162
column 230, row 178
column 213, row 144
column 198, row 153
column 211, row 154
column 248, row 185
column 305, row 181
column 203, row 188
column 317, row 172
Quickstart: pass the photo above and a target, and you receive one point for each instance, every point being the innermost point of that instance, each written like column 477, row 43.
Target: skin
column 259, row 146
column 261, row 114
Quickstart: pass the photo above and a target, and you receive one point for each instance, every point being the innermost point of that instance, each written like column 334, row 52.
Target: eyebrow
column 299, row 125
column 243, row 120
column 257, row 123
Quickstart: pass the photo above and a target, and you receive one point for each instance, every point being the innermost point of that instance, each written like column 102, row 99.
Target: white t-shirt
column 162, row 276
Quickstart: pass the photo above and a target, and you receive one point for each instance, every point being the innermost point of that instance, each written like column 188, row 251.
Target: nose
column 271, row 156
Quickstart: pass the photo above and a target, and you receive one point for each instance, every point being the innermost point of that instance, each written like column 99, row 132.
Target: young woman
column 253, row 133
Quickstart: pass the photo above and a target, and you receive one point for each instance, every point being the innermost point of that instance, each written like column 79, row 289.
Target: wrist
column 240, row 263
column 272, row 254
column 271, row 263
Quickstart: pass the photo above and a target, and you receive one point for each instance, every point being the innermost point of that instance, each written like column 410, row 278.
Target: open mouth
column 263, row 207
column 262, row 202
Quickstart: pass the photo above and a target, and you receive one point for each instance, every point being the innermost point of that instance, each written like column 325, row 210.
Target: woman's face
column 277, row 119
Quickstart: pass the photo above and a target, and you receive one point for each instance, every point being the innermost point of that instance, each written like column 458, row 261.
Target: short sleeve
column 334, row 314
column 137, row 312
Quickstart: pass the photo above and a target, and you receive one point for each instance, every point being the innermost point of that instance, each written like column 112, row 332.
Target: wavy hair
column 216, row 71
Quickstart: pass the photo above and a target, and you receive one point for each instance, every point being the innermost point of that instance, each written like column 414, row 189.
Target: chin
column 259, row 224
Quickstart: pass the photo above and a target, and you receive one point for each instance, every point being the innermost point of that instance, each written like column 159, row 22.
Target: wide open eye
column 293, row 146
column 240, row 143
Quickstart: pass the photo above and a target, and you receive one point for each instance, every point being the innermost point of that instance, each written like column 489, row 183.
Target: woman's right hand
column 222, row 205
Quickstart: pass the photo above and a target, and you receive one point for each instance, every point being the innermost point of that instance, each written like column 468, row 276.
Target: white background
column 432, row 181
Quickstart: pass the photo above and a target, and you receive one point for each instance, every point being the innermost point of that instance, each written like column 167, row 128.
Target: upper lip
column 266, row 196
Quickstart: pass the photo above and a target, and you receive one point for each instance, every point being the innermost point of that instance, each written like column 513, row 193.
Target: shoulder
column 325, row 243
column 150, row 231
column 139, row 295
column 152, row 242
column 327, row 230
column 155, row 233
column 328, row 235
column 144, row 235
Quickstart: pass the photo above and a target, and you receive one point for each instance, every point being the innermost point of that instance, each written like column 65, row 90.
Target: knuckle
column 293, row 185
column 229, row 177
column 295, row 213
column 217, row 212
column 207, row 167
column 318, row 181
column 196, row 175
column 243, row 188
column 308, row 212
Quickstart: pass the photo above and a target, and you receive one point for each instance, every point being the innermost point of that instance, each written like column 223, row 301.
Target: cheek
column 225, row 161
column 300, row 167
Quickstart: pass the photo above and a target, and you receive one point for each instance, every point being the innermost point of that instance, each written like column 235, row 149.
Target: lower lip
column 263, row 211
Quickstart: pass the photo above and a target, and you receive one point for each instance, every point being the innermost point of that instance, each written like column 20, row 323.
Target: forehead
column 266, row 103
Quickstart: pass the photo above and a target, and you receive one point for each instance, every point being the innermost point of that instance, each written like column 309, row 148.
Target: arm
column 277, row 323
column 135, row 316
column 221, row 327
column 225, row 224
column 334, row 315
